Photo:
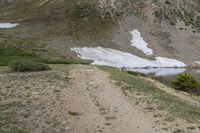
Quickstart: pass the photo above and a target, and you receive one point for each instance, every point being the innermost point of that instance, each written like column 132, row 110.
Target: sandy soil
column 106, row 109
column 78, row 99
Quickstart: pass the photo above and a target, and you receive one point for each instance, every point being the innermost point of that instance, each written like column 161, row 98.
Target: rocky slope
column 171, row 28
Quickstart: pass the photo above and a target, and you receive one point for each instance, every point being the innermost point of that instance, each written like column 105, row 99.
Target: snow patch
column 166, row 62
column 197, row 62
column 138, row 42
column 115, row 58
column 7, row 25
column 43, row 2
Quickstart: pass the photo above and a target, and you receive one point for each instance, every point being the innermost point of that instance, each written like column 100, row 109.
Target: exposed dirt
column 78, row 99
column 195, row 100
column 107, row 109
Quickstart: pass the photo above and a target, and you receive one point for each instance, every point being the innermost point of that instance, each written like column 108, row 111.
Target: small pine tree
column 186, row 82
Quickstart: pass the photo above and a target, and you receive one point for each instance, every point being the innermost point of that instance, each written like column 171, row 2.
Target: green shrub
column 186, row 82
column 27, row 66
column 132, row 73
column 64, row 61
column 136, row 73
column 10, row 55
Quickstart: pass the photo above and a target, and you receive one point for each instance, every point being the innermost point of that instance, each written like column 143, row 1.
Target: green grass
column 64, row 61
column 135, row 73
column 10, row 105
column 4, row 69
column 9, row 123
column 84, row 10
column 73, row 113
column 173, row 104
column 28, row 66
column 9, row 55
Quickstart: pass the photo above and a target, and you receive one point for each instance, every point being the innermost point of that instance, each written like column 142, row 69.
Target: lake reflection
column 166, row 75
column 160, row 71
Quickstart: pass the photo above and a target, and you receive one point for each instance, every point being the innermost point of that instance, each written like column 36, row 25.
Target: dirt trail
column 79, row 99
column 103, row 106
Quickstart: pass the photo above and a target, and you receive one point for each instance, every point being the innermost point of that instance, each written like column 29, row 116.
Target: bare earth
column 104, row 105
column 194, row 100
column 79, row 99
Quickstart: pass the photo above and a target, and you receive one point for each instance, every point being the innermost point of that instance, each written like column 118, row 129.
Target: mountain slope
column 171, row 28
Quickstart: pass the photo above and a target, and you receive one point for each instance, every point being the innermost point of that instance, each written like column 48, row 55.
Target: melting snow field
column 7, row 25
column 197, row 62
column 115, row 58
column 138, row 42
column 119, row 59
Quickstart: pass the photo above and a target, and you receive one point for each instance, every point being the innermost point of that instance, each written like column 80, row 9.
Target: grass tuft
column 73, row 113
